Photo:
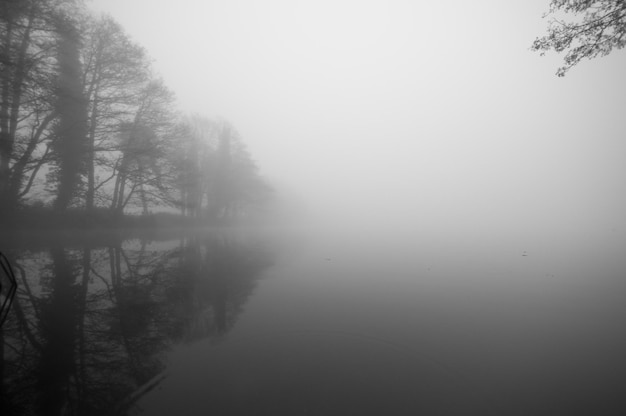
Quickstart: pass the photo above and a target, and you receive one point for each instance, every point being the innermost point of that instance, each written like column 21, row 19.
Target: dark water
column 315, row 322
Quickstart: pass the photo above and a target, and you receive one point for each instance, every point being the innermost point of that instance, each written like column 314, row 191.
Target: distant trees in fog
column 215, row 174
column 84, row 123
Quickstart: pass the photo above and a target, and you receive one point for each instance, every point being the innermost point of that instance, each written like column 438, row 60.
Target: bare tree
column 27, row 75
column 599, row 27
column 115, row 70
column 142, row 146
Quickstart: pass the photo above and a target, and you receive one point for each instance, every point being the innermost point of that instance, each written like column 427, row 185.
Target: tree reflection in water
column 91, row 322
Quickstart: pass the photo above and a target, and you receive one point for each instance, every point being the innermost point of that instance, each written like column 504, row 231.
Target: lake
column 315, row 321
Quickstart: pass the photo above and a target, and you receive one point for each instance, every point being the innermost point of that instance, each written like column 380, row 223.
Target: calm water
column 316, row 322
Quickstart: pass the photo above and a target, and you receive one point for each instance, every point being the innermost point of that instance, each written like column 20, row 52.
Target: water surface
column 317, row 322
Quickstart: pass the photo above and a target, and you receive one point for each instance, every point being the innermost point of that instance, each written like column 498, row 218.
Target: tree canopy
column 597, row 28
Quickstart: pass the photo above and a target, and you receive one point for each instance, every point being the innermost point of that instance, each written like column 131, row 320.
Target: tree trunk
column 6, row 141
column 90, row 157
column 72, row 107
column 119, row 208
column 144, row 199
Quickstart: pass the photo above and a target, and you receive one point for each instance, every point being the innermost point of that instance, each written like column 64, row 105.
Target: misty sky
column 414, row 109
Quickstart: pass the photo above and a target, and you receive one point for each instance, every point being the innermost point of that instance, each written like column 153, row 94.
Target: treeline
column 85, row 125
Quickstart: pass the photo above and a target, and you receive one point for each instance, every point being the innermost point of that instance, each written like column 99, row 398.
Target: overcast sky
column 435, row 109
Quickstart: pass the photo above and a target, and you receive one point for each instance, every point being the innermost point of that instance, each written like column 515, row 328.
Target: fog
column 445, row 236
column 401, row 113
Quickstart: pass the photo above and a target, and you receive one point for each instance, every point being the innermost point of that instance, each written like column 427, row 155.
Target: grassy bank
column 75, row 219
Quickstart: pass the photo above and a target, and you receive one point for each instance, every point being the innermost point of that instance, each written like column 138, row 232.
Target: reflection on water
column 350, row 323
column 92, row 321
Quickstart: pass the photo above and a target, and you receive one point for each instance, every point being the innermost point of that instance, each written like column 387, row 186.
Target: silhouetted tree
column 193, row 158
column 115, row 70
column 27, row 31
column 16, row 24
column 601, row 26
column 142, row 145
column 69, row 144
